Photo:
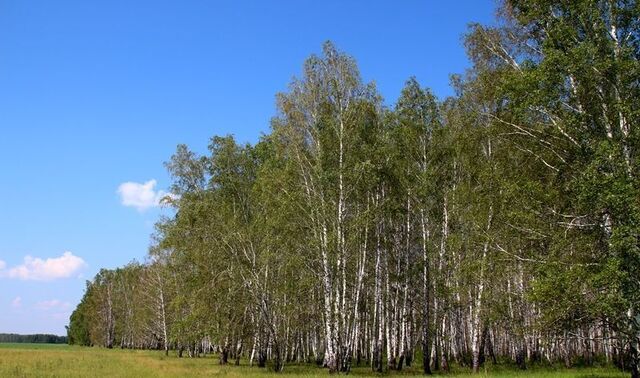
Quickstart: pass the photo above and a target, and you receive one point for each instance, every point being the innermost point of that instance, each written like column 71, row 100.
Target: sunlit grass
column 46, row 360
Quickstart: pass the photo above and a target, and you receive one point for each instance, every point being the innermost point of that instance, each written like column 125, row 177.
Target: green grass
column 50, row 360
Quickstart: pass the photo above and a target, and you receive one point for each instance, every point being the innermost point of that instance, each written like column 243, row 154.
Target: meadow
column 46, row 360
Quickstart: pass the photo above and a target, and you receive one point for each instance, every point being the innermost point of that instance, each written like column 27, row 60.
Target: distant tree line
column 37, row 338
column 500, row 224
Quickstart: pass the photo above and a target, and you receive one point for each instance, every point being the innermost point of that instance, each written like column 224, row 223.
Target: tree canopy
column 501, row 222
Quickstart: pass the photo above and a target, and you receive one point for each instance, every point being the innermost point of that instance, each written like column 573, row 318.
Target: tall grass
column 46, row 360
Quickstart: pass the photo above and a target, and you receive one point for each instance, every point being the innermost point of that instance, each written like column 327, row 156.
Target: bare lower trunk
column 224, row 354
column 475, row 332
column 379, row 308
column 331, row 360
column 634, row 342
column 164, row 316
column 426, row 300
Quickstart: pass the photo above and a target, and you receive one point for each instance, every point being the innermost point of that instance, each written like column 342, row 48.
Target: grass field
column 46, row 360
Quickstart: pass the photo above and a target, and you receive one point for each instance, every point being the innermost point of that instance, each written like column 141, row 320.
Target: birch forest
column 498, row 225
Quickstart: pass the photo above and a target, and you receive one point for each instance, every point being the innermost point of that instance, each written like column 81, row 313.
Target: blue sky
column 96, row 94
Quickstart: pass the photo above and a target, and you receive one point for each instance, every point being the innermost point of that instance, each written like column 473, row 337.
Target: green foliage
column 510, row 211
column 36, row 338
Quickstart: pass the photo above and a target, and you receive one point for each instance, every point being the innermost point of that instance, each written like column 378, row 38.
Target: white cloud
column 2, row 264
column 52, row 304
column 16, row 302
column 141, row 196
column 35, row 268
